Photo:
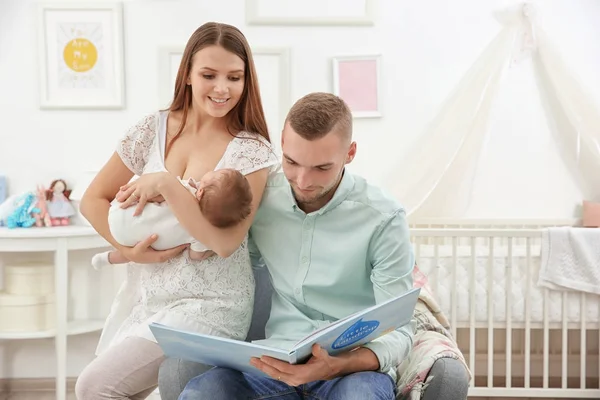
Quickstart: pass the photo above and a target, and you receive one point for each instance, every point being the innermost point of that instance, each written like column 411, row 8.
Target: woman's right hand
column 121, row 195
column 142, row 253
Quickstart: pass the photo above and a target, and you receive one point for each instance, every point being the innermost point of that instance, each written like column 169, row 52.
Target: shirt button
column 297, row 291
column 304, row 259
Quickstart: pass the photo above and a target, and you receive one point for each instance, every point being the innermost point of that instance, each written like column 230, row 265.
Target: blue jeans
column 228, row 384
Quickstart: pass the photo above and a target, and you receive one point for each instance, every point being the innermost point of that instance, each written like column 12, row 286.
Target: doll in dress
column 58, row 205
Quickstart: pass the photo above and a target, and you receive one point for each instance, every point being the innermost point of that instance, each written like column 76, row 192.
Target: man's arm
column 393, row 261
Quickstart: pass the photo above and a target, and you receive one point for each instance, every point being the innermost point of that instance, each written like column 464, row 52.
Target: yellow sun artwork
column 80, row 55
column 81, row 63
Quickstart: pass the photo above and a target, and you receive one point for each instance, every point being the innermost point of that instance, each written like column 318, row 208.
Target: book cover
column 337, row 337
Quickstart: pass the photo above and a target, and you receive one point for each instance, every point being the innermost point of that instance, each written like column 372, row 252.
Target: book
column 339, row 336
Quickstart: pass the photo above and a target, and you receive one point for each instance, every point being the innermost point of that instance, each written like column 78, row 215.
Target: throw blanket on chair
column 432, row 341
column 571, row 259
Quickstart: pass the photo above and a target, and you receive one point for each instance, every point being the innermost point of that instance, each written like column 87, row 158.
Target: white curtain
column 575, row 118
column 440, row 169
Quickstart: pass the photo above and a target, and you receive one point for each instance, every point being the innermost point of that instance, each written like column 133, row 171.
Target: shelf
column 60, row 241
column 73, row 237
column 47, row 232
column 77, row 327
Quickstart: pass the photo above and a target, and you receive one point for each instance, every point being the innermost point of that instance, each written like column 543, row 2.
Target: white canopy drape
column 441, row 167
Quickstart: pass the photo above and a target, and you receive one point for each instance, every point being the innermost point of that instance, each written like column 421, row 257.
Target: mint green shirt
column 349, row 255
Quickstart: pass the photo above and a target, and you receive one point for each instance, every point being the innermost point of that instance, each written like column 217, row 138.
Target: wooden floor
column 45, row 395
column 71, row 396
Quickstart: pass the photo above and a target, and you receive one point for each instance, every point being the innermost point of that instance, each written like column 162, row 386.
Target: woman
column 216, row 120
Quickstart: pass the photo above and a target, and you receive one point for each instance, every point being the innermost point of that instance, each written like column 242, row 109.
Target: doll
column 21, row 215
column 58, row 204
column 41, row 218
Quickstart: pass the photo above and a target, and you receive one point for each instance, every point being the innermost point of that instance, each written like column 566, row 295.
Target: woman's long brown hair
column 248, row 114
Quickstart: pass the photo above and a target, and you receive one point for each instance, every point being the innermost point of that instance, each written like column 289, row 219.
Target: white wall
column 426, row 47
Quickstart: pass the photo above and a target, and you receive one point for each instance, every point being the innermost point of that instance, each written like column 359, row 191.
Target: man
column 333, row 245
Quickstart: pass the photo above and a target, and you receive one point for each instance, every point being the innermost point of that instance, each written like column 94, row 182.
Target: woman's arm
column 253, row 158
column 95, row 204
column 223, row 241
column 96, row 199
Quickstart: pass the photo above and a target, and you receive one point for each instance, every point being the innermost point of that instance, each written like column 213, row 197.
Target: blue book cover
column 337, row 337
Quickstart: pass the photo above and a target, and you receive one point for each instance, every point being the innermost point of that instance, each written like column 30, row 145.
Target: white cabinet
column 60, row 241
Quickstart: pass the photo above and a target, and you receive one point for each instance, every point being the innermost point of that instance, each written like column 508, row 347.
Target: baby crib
column 519, row 339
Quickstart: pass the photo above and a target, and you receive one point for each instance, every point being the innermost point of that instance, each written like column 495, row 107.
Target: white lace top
column 214, row 296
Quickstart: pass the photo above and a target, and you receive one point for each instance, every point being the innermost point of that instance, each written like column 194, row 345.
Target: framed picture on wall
column 273, row 70
column 357, row 80
column 80, row 55
column 309, row 12
column 169, row 58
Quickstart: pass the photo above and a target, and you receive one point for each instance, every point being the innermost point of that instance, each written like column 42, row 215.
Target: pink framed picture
column 356, row 79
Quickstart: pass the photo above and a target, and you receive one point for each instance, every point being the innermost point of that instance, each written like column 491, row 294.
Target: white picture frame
column 357, row 80
column 80, row 55
column 274, row 77
column 169, row 58
column 310, row 12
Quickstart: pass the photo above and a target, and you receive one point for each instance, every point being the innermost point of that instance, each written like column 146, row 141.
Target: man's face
column 314, row 168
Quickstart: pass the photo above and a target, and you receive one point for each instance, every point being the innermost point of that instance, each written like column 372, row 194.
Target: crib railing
column 504, row 224
column 518, row 354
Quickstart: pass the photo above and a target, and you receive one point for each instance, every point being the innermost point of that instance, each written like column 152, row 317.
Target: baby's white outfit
column 214, row 296
column 155, row 218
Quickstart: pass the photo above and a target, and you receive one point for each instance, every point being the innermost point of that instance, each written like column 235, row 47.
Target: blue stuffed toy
column 22, row 216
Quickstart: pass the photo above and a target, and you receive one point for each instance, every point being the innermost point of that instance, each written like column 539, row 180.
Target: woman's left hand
column 140, row 191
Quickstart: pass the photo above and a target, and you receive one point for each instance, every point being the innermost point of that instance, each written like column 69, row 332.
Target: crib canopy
column 443, row 162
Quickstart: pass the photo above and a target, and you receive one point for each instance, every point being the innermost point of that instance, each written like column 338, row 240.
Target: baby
column 224, row 198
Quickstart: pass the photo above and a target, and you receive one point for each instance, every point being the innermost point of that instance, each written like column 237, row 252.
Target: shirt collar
column 343, row 190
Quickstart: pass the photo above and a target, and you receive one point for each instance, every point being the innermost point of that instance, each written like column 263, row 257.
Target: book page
column 359, row 328
column 332, row 325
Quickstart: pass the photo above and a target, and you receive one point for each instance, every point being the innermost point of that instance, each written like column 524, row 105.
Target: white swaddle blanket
column 155, row 218
column 571, row 259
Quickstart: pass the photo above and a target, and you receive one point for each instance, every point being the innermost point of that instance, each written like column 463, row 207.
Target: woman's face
column 217, row 80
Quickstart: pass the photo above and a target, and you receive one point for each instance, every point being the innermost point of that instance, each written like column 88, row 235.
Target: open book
column 339, row 336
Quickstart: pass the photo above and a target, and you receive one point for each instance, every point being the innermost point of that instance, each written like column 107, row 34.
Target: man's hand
column 321, row 366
